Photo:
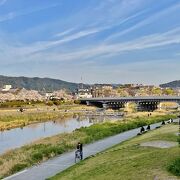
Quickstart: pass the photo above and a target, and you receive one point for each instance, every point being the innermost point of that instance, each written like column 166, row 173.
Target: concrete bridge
column 147, row 103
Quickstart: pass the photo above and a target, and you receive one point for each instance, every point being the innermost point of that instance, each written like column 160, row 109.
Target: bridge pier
column 105, row 106
column 178, row 102
column 147, row 106
column 116, row 105
column 88, row 103
column 160, row 105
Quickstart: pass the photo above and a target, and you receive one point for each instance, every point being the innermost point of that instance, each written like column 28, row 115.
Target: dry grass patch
column 159, row 144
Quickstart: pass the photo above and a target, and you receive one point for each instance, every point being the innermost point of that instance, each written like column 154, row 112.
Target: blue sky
column 103, row 41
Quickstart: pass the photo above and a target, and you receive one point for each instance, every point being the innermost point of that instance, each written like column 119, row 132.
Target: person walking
column 142, row 130
column 148, row 128
column 80, row 148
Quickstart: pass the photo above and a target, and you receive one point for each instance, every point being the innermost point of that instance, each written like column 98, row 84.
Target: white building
column 83, row 93
column 6, row 87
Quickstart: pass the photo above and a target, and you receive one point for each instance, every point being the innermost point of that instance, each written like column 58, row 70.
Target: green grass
column 129, row 160
column 100, row 131
column 174, row 167
column 18, row 103
column 18, row 167
column 52, row 146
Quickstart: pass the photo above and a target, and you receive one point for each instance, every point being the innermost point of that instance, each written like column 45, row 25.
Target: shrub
column 18, row 167
column 50, row 103
column 174, row 167
column 8, row 104
column 99, row 131
column 178, row 139
column 57, row 103
column 37, row 156
column 77, row 101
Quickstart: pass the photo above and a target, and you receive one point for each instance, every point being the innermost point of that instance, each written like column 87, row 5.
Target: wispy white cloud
column 66, row 32
column 44, row 45
column 3, row 2
column 68, row 36
column 37, row 51
column 8, row 16
column 42, row 49
column 119, row 8
column 146, row 21
column 23, row 51
column 108, row 50
column 75, row 36
column 12, row 15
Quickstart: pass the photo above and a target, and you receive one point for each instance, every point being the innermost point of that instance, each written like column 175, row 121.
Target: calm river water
column 18, row 137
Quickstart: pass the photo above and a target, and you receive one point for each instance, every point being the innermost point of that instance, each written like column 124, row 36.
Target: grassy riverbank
column 22, row 119
column 10, row 118
column 44, row 149
column 130, row 161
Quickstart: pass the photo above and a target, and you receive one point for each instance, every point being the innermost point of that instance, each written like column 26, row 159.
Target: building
column 83, row 93
column 49, row 95
column 6, row 87
column 103, row 90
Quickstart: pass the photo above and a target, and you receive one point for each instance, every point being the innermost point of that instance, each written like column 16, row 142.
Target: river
column 18, row 137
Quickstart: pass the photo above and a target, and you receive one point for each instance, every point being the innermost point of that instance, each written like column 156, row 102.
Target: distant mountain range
column 173, row 84
column 49, row 84
column 40, row 84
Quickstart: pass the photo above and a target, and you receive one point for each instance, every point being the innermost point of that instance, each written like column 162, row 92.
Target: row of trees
column 145, row 91
column 130, row 90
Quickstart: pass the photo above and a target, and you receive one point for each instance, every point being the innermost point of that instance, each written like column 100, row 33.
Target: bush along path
column 90, row 134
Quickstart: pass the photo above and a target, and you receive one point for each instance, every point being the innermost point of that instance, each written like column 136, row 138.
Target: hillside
column 173, row 84
column 40, row 84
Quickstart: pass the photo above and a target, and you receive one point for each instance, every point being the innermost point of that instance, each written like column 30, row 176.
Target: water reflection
column 24, row 135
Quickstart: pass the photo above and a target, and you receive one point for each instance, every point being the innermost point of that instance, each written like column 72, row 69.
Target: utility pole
column 81, row 82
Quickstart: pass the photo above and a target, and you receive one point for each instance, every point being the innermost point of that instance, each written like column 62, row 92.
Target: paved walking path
column 66, row 160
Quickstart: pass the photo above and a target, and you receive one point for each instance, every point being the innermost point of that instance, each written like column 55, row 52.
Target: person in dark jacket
column 148, row 128
column 80, row 148
column 142, row 129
